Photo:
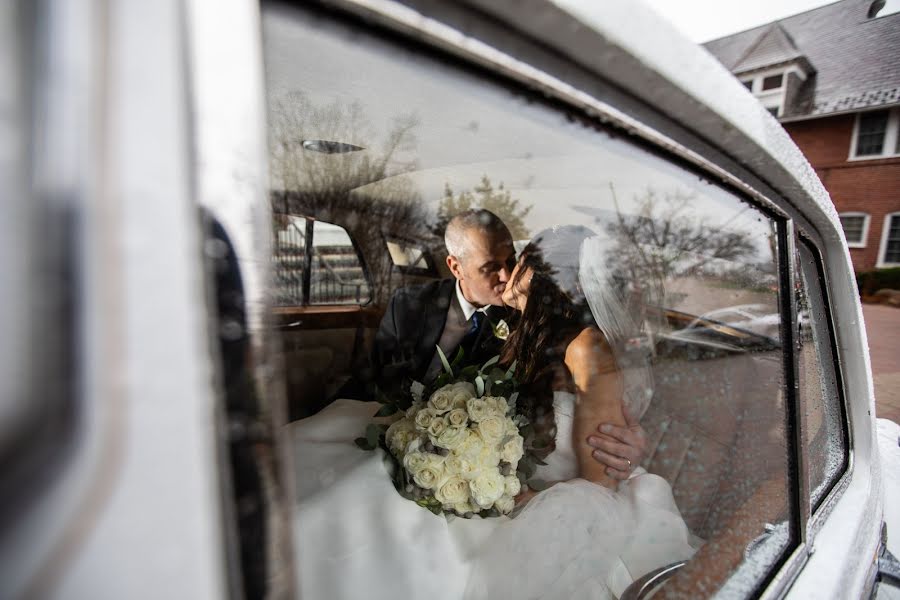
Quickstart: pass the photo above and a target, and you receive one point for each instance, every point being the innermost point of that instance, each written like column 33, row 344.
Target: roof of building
column 855, row 59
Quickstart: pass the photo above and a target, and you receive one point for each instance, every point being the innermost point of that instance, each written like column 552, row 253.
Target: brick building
column 832, row 78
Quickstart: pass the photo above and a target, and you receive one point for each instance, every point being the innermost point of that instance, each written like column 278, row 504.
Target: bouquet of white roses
column 459, row 447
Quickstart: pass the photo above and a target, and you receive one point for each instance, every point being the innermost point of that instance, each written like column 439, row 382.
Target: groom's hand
column 621, row 449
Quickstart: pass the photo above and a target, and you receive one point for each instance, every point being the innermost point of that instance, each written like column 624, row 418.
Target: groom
column 463, row 312
column 460, row 312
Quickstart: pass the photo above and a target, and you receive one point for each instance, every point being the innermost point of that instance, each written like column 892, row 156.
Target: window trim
column 867, row 218
column 442, row 38
column 891, row 136
column 882, row 247
column 826, row 503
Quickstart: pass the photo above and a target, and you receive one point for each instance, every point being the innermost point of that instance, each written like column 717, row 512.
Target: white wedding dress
column 356, row 537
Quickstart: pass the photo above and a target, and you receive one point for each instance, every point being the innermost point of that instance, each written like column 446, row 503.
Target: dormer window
column 769, row 87
column 773, row 82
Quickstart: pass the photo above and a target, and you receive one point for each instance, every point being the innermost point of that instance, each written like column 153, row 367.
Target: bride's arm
column 599, row 392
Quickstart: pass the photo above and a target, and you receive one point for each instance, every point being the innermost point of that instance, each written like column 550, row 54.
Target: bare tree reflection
column 317, row 172
column 663, row 238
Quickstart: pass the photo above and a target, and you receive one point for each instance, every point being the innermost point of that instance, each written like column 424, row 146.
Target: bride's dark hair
column 555, row 312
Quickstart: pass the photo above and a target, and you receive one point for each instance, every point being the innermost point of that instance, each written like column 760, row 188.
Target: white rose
column 492, row 429
column 452, row 490
column 501, row 329
column 427, row 469
column 512, row 449
column 489, row 458
column 423, row 418
column 471, row 447
column 436, row 427
column 463, row 388
column 442, row 400
column 505, row 505
column 511, row 427
column 457, row 465
column 480, row 454
column 428, row 477
column 487, row 488
column 399, row 435
column 478, row 409
column 458, row 417
column 512, row 486
column 415, row 461
column 451, row 438
column 498, row 405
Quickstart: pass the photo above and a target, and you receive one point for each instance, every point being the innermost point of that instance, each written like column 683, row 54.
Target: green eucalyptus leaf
column 458, row 357
column 444, row 362
column 489, row 363
column 538, row 485
column 496, row 374
column 469, row 372
column 373, row 433
column 479, row 386
column 387, row 410
column 527, row 467
column 510, row 371
column 363, row 443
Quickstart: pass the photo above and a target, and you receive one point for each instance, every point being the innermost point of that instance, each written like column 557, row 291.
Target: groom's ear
column 455, row 266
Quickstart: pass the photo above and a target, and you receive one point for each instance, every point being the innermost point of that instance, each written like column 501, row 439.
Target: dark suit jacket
column 409, row 333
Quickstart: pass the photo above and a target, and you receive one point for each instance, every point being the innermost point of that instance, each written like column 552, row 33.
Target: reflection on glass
column 826, row 445
column 697, row 265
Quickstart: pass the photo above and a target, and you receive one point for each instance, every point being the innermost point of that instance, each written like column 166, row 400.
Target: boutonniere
column 501, row 329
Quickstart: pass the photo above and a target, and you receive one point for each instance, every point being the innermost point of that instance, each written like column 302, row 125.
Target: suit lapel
column 433, row 320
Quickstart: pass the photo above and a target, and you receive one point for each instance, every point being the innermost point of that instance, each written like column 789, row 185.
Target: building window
column 748, row 83
column 876, row 134
column 856, row 228
column 889, row 255
column 772, row 82
column 872, row 129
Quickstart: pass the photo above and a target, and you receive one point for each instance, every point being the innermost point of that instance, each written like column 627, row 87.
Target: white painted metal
column 137, row 510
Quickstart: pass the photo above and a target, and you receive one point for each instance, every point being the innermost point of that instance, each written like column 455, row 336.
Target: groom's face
column 485, row 267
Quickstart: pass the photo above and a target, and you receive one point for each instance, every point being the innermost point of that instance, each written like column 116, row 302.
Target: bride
column 586, row 535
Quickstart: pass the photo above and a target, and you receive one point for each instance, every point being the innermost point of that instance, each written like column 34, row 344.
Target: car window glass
column 336, row 274
column 380, row 138
column 824, row 428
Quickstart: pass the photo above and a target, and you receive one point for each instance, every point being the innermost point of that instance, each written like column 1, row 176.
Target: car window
column 374, row 136
column 327, row 270
column 824, row 427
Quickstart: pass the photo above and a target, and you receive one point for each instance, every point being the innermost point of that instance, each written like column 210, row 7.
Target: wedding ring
column 629, row 463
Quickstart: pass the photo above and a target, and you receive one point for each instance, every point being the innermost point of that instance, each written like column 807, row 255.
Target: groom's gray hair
column 455, row 236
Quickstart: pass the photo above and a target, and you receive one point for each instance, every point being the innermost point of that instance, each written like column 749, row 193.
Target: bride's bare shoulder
column 586, row 349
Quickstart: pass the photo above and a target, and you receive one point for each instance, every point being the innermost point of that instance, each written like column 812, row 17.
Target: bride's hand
column 621, row 449
column 523, row 497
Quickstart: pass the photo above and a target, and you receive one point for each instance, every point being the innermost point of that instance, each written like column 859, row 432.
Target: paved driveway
column 883, row 329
